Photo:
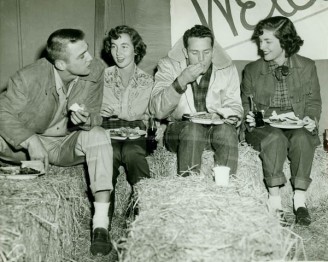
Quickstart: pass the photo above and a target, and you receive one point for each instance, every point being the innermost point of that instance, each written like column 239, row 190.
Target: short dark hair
column 58, row 40
column 284, row 30
column 139, row 46
column 199, row 31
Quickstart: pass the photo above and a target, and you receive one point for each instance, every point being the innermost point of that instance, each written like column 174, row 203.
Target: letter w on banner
column 233, row 21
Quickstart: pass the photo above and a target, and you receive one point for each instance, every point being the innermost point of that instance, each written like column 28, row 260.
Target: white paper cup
column 221, row 175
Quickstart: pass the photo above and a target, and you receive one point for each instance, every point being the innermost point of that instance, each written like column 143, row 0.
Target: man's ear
column 60, row 64
column 185, row 52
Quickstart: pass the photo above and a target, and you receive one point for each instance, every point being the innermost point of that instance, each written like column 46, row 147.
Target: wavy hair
column 199, row 31
column 284, row 30
column 138, row 44
column 58, row 41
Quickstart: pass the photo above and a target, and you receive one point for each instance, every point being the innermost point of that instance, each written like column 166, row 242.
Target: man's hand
column 309, row 124
column 80, row 117
column 190, row 74
column 37, row 151
column 250, row 119
column 106, row 110
column 233, row 120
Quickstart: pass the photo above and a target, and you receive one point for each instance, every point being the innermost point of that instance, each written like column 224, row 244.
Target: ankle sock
column 100, row 218
column 274, row 203
column 299, row 199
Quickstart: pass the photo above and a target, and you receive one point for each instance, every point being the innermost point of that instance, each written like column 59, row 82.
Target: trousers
column 276, row 145
column 93, row 147
column 189, row 140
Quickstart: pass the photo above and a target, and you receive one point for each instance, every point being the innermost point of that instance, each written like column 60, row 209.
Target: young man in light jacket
column 198, row 76
column 37, row 122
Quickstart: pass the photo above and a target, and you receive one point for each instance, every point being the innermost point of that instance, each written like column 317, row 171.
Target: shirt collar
column 134, row 76
column 273, row 65
column 60, row 84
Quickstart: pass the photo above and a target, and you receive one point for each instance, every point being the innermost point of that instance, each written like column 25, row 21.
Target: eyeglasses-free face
column 270, row 47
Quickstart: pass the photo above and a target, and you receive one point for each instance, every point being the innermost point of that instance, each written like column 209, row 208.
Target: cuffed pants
column 275, row 145
column 93, row 147
column 189, row 140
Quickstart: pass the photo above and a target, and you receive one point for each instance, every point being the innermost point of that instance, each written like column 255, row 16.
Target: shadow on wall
column 42, row 53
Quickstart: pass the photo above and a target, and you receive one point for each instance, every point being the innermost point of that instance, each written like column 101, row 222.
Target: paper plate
column 12, row 172
column 116, row 134
column 20, row 177
column 284, row 124
column 207, row 121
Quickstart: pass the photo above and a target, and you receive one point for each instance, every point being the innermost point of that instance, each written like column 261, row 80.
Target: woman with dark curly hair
column 283, row 86
column 125, row 104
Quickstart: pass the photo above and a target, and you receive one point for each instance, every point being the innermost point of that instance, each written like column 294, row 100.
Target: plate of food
column 27, row 170
column 126, row 133
column 284, row 121
column 206, row 118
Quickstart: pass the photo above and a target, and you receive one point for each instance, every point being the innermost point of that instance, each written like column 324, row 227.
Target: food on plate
column 28, row 170
column 206, row 118
column 126, row 132
column 36, row 165
column 286, row 118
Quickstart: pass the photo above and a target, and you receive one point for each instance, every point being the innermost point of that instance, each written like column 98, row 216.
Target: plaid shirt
column 200, row 90
column 281, row 97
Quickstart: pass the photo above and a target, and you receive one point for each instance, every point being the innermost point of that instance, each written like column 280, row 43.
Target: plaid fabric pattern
column 281, row 97
column 200, row 90
column 111, row 124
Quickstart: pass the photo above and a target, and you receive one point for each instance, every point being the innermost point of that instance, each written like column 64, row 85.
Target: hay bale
column 40, row 219
column 191, row 219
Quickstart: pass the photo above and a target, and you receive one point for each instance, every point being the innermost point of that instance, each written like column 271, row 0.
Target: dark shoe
column 100, row 244
column 282, row 218
column 302, row 216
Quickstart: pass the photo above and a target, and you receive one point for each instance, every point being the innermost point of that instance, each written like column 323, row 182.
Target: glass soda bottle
column 151, row 134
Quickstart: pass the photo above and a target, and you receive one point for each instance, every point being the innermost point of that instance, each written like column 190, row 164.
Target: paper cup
column 221, row 175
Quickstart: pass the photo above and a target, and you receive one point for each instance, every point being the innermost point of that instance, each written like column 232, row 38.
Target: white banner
column 233, row 22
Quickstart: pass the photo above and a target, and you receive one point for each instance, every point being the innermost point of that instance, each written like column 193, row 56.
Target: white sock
column 274, row 203
column 299, row 199
column 100, row 218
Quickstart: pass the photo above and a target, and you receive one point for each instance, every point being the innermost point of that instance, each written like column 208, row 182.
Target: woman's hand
column 106, row 110
column 250, row 119
column 309, row 124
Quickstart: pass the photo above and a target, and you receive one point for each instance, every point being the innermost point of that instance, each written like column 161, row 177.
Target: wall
column 26, row 24
column 151, row 18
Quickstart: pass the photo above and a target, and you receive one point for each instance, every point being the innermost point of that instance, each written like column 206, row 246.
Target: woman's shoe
column 302, row 216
